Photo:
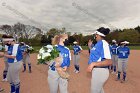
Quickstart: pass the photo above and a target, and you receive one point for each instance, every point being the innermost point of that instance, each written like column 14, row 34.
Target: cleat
column 117, row 79
column 122, row 81
column 23, row 70
column 77, row 71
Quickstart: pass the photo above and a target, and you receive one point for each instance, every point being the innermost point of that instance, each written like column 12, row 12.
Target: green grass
column 134, row 47
column 36, row 48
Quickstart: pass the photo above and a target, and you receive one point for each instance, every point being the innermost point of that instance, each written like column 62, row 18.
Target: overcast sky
column 74, row 15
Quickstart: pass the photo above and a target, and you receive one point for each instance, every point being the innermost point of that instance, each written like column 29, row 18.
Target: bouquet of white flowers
column 29, row 49
column 48, row 55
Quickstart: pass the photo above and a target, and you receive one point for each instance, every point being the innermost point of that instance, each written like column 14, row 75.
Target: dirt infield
column 36, row 82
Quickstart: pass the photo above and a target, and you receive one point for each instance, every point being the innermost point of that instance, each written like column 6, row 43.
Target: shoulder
column 127, row 47
column 105, row 42
column 66, row 48
column 99, row 44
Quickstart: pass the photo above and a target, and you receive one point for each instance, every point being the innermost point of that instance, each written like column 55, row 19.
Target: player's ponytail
column 55, row 40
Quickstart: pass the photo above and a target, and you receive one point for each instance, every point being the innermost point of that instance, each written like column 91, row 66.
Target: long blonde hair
column 57, row 38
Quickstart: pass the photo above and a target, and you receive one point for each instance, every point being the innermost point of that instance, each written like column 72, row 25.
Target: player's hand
column 91, row 66
column 64, row 68
column 1, row 54
column 58, row 59
column 57, row 65
column 90, row 43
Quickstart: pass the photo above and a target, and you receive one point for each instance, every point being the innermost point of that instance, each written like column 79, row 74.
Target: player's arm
column 106, row 62
column 6, row 55
column 9, row 56
column 80, row 49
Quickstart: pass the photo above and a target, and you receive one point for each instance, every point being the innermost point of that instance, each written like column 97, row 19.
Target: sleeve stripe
column 106, row 50
column 80, row 47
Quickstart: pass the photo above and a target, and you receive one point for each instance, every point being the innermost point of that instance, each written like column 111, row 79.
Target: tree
column 130, row 35
column 113, row 35
column 7, row 29
column 138, row 28
column 55, row 31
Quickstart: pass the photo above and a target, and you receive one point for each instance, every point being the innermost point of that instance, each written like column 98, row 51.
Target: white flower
column 38, row 56
column 44, row 55
column 49, row 50
column 41, row 50
column 49, row 46
column 31, row 48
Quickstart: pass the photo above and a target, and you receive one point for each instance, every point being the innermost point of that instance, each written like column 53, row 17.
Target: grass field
column 86, row 48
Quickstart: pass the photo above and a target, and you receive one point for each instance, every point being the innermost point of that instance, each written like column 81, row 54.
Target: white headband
column 7, row 39
column 114, row 41
column 75, row 42
column 125, row 42
column 99, row 33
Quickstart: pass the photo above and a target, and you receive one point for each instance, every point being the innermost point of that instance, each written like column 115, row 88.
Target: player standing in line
column 5, row 42
column 54, row 79
column 123, row 53
column 100, row 59
column 26, row 56
column 114, row 56
column 14, row 59
column 76, row 49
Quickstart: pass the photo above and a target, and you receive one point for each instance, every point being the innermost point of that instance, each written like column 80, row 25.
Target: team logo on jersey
column 65, row 55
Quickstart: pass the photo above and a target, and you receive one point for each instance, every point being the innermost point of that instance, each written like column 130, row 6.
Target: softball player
column 26, row 56
column 100, row 59
column 5, row 59
column 77, row 49
column 6, row 65
column 14, row 59
column 123, row 53
column 54, row 79
column 114, row 55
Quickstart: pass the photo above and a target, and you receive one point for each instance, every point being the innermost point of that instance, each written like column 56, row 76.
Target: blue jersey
column 123, row 52
column 23, row 48
column 76, row 49
column 114, row 49
column 65, row 52
column 14, row 50
column 100, row 52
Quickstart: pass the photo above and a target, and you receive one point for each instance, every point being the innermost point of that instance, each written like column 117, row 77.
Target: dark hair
column 103, row 30
column 6, row 36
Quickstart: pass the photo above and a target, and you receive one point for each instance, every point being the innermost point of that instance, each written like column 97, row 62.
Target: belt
column 76, row 54
column 101, row 67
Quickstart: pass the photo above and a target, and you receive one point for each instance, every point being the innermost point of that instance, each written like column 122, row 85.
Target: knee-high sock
column 111, row 67
column 24, row 65
column 77, row 67
column 29, row 67
column 17, row 88
column 124, row 75
column 119, row 74
column 4, row 74
column 12, row 87
column 114, row 68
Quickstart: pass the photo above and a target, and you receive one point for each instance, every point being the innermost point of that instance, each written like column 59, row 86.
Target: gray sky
column 76, row 15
